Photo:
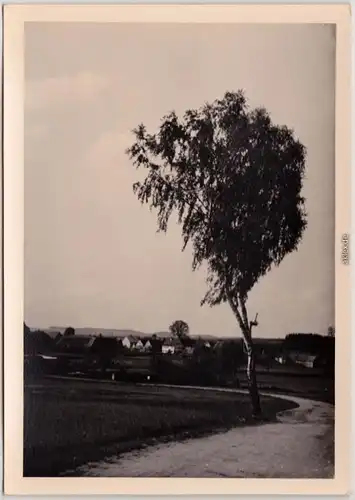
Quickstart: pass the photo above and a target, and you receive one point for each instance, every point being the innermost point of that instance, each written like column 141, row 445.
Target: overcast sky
column 92, row 254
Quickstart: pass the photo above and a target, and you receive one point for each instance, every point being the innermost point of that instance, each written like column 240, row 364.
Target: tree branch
column 197, row 196
column 188, row 202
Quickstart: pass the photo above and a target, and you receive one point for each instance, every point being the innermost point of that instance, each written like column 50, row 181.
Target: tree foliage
column 230, row 356
column 311, row 343
column 179, row 328
column 37, row 342
column 69, row 331
column 234, row 179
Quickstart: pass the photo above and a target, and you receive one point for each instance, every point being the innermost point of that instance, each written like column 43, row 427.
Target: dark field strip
column 69, row 423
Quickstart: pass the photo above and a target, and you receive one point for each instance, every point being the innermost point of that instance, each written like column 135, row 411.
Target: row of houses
column 170, row 345
column 46, row 340
column 175, row 346
column 268, row 350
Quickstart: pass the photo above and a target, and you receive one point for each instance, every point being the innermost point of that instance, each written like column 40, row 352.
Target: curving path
column 299, row 445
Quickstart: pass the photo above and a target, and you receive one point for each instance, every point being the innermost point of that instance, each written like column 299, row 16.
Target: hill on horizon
column 115, row 332
column 111, row 332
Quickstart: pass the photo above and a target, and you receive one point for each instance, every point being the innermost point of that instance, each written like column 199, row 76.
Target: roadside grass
column 316, row 388
column 68, row 423
column 282, row 379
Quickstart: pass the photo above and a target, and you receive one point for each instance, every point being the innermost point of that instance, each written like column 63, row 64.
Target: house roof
column 75, row 343
column 167, row 346
column 105, row 343
column 301, row 356
column 172, row 342
column 53, row 335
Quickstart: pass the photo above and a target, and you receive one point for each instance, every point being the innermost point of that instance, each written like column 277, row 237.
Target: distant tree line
column 311, row 343
column 36, row 341
column 214, row 363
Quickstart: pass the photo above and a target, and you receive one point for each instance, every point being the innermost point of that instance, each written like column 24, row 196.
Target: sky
column 93, row 257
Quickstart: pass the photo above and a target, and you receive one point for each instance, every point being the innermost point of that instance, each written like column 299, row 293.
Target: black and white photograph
column 179, row 258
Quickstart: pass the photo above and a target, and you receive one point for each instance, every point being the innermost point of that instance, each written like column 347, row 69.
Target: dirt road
column 299, row 445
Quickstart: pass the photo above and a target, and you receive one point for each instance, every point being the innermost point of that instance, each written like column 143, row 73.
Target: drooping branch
column 200, row 207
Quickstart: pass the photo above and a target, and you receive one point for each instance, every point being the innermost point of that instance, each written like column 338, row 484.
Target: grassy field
column 68, row 423
column 292, row 380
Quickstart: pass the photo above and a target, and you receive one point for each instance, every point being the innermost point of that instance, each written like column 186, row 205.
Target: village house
column 148, row 346
column 129, row 342
column 126, row 343
column 139, row 346
column 304, row 359
column 174, row 346
column 76, row 344
column 281, row 359
column 171, row 345
column 55, row 336
column 166, row 348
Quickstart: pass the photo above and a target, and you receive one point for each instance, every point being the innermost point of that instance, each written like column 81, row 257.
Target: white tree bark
column 246, row 328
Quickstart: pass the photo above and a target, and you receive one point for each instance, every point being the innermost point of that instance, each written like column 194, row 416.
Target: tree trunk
column 251, row 376
column 246, row 329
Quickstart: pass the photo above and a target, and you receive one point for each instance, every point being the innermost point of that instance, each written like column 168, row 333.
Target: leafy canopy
column 69, row 331
column 179, row 328
column 234, row 179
